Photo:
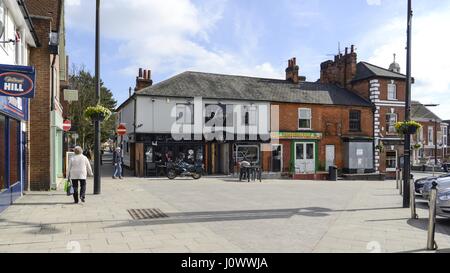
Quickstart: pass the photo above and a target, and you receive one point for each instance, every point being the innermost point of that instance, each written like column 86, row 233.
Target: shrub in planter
column 380, row 148
column 417, row 146
column 407, row 127
column 97, row 112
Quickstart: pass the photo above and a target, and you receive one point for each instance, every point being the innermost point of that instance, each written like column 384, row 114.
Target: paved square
column 220, row 215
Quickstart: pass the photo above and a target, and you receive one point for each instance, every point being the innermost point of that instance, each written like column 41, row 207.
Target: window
column 430, row 136
column 391, row 119
column 355, row 121
column 248, row 153
column 304, row 118
column 420, row 135
column 250, row 115
column 392, row 91
column 444, row 136
column 391, row 161
column 185, row 114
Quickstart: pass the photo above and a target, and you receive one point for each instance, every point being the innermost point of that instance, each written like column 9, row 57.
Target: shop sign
column 17, row 81
column 296, row 135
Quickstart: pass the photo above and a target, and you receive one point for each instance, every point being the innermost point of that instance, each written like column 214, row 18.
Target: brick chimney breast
column 292, row 71
column 143, row 80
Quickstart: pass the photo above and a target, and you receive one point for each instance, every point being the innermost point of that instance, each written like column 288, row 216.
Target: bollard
column 401, row 185
column 412, row 199
column 397, row 177
column 431, row 243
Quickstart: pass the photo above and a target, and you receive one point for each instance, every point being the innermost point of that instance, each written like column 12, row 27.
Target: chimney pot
column 346, row 50
column 352, row 49
column 149, row 75
column 140, row 72
column 295, row 61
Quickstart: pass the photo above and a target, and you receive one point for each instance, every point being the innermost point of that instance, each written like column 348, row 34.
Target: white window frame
column 392, row 91
column 300, row 117
column 396, row 161
column 430, row 139
column 444, row 130
column 391, row 124
column 248, row 146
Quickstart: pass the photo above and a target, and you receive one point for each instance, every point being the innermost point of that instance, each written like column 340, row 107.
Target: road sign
column 67, row 125
column 121, row 129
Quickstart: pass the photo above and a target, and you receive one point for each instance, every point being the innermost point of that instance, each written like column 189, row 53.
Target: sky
column 257, row 37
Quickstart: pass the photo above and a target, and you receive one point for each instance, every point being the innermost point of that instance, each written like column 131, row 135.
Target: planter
column 411, row 130
column 99, row 117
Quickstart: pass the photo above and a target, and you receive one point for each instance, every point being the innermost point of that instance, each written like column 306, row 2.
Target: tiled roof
column 419, row 111
column 366, row 70
column 216, row 86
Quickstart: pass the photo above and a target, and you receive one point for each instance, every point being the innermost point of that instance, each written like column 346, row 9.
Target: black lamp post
column 97, row 154
column 407, row 158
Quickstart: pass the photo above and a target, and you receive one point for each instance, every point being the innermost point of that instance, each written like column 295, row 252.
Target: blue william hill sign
column 17, row 81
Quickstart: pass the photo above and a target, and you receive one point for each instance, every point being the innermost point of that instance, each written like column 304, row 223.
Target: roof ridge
column 230, row 75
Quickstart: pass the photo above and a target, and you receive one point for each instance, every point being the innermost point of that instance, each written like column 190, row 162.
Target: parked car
column 443, row 202
column 420, row 183
column 443, row 183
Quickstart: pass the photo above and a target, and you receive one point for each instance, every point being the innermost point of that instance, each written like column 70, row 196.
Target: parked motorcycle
column 184, row 169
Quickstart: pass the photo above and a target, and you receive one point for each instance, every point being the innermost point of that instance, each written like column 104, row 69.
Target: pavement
column 220, row 215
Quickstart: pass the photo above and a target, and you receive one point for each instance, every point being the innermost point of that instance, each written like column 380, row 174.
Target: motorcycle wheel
column 171, row 174
column 196, row 176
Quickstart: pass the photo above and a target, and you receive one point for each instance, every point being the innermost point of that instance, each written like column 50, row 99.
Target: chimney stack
column 292, row 71
column 143, row 80
column 342, row 70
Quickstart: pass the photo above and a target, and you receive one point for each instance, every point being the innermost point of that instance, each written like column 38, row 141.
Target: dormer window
column 392, row 91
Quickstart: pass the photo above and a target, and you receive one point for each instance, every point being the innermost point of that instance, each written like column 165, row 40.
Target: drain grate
column 141, row 214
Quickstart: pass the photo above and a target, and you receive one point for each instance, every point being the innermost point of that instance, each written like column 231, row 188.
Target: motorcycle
column 184, row 169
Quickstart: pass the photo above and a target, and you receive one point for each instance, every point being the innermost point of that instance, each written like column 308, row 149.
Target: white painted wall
column 154, row 113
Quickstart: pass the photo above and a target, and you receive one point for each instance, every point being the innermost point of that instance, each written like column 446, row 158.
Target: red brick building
column 45, row 132
column 385, row 88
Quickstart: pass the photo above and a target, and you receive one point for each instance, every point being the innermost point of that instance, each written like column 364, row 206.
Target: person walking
column 117, row 162
column 79, row 169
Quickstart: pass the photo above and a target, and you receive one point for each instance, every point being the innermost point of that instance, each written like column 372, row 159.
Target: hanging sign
column 17, row 81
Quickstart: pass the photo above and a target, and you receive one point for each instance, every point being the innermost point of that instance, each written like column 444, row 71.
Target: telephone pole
column 407, row 157
column 97, row 154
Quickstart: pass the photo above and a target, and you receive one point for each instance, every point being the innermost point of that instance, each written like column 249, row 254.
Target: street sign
column 70, row 95
column 67, row 125
column 121, row 129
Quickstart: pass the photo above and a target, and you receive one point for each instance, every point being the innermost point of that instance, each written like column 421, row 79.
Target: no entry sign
column 67, row 125
column 121, row 130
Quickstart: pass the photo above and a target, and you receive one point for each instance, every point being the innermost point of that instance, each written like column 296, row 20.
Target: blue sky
column 257, row 37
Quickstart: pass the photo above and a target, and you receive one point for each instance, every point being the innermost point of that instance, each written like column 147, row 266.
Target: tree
column 82, row 80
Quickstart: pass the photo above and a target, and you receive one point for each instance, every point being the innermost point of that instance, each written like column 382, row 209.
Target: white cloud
column 430, row 54
column 167, row 36
column 373, row 2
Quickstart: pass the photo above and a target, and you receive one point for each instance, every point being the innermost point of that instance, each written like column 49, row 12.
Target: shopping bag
column 68, row 188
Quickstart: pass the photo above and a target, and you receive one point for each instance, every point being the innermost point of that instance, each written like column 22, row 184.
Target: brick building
column 385, row 88
column 319, row 124
column 46, row 111
column 431, row 139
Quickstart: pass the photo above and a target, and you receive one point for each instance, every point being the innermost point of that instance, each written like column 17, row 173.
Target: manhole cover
column 140, row 214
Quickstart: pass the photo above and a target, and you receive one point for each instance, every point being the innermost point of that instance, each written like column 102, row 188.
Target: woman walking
column 79, row 169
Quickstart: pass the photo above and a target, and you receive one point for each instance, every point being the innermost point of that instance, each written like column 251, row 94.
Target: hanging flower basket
column 417, row 146
column 407, row 127
column 380, row 148
column 97, row 112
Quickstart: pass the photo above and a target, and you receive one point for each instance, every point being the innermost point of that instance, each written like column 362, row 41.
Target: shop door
column 305, row 160
column 329, row 156
column 277, row 157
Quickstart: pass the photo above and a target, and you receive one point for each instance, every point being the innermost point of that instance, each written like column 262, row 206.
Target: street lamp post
column 97, row 174
column 407, row 158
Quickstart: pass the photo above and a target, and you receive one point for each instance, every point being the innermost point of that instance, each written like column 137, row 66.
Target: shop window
column 392, row 91
column 14, row 152
column 3, row 183
column 248, row 153
column 391, row 119
column 355, row 121
column 304, row 119
column 391, row 161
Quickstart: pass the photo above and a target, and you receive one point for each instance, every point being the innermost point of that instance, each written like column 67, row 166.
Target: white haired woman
column 79, row 169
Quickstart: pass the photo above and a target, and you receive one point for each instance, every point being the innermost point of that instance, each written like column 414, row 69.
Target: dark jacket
column 117, row 158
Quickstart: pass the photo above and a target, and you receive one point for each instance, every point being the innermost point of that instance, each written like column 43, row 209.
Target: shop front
column 16, row 86
column 296, row 153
